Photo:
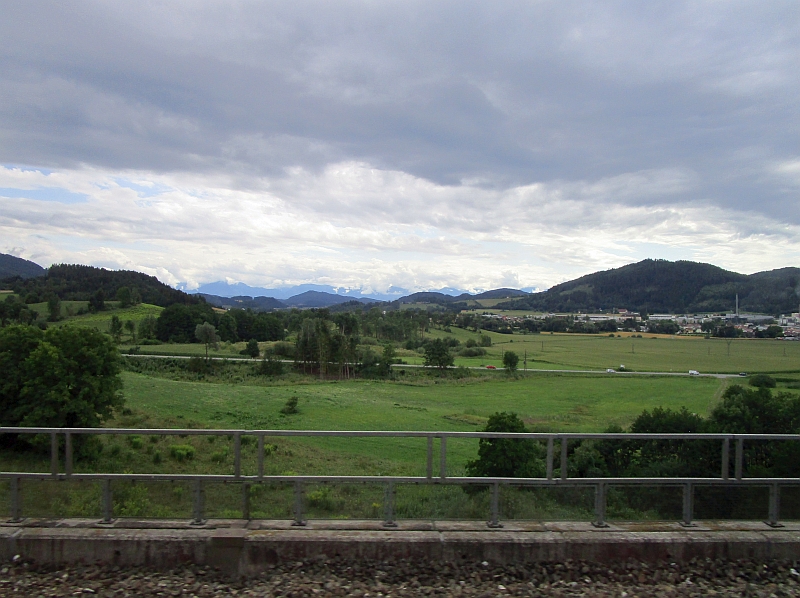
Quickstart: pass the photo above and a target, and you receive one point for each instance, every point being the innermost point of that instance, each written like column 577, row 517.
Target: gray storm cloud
column 398, row 127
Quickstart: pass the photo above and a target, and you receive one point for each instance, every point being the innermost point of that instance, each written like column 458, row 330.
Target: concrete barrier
column 246, row 548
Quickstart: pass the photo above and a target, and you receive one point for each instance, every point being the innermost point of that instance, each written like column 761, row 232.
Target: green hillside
column 73, row 282
column 655, row 286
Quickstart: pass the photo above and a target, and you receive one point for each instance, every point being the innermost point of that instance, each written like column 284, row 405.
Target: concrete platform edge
column 242, row 549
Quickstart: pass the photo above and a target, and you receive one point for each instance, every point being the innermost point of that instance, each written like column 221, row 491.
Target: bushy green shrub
column 472, row 351
column 181, row 452
column 270, row 367
column 290, row 408
column 762, row 381
column 506, row 457
column 219, row 456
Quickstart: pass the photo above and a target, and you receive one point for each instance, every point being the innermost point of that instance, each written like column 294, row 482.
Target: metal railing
column 600, row 484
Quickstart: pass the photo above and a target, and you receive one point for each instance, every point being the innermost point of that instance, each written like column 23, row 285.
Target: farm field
column 655, row 353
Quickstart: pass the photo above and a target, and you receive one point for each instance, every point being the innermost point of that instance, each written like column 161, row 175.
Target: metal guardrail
column 601, row 485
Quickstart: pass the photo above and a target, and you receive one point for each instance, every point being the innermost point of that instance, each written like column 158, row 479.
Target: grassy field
column 545, row 402
column 659, row 353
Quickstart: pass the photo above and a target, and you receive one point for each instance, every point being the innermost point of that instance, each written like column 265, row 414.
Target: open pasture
column 651, row 353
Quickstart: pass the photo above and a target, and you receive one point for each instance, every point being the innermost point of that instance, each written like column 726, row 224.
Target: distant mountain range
column 653, row 286
column 239, row 289
column 317, row 298
column 301, row 300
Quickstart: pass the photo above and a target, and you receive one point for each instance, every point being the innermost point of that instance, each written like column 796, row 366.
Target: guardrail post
column 298, row 504
column 563, row 458
column 246, row 501
column 430, row 457
column 600, row 505
column 68, row 454
column 108, row 502
column 774, row 506
column 388, row 506
column 726, row 457
column 260, row 455
column 550, row 458
column 54, row 454
column 739, row 457
column 237, row 454
column 688, row 505
column 198, row 503
column 443, row 458
column 16, row 500
column 494, row 522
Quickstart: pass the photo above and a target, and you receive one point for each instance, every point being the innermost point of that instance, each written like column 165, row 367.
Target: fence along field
column 546, row 403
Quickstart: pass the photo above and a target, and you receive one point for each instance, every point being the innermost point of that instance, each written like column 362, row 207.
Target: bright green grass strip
column 556, row 403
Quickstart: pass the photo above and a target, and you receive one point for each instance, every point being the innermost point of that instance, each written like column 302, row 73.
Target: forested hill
column 660, row 286
column 79, row 283
column 16, row 266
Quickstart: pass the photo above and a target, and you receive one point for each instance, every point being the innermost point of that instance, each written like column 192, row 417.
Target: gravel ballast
column 340, row 577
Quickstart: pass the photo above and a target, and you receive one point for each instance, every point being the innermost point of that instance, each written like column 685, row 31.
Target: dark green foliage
column 182, row 452
column 54, row 308
column 756, row 411
column 472, row 352
column 81, row 283
column 148, row 327
column 97, row 302
column 177, row 323
column 506, row 457
column 245, row 324
column 660, row 286
column 63, row 377
column 662, row 327
column 12, row 310
column 251, row 350
column 437, row 354
column 124, row 297
column 771, row 332
column 742, row 411
column 290, row 408
column 270, row 366
column 115, row 328
column 130, row 326
column 510, row 361
column 11, row 266
column 762, row 381
column 207, row 334
column 387, row 359
column 283, row 349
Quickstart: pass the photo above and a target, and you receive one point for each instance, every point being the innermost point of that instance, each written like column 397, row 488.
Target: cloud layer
column 412, row 144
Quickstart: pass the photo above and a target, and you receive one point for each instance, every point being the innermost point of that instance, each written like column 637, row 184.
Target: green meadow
column 547, row 402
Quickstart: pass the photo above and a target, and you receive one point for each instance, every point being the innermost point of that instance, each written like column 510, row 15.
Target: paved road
column 536, row 371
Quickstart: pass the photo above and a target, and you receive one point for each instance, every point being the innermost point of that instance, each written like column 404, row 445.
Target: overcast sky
column 411, row 144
